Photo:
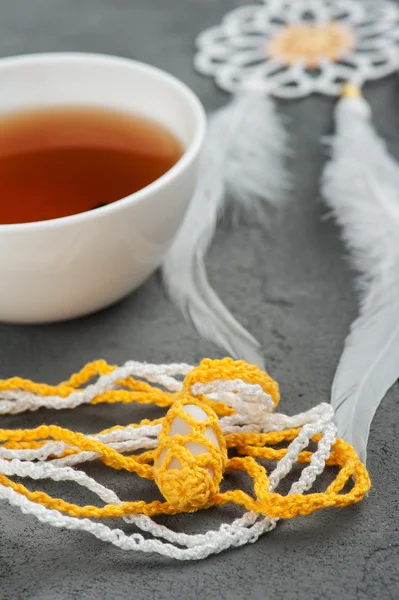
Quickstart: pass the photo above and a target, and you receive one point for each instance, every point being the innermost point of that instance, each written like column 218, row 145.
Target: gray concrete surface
column 291, row 286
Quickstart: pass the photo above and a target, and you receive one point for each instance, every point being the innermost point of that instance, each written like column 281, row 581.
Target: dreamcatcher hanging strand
column 242, row 163
column 361, row 185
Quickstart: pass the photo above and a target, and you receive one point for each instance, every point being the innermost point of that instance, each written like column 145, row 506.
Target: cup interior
column 54, row 80
column 100, row 81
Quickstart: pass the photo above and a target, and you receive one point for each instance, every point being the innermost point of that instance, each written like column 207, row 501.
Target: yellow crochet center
column 188, row 475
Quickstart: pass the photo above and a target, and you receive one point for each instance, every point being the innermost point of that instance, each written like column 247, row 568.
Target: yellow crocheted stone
column 191, row 455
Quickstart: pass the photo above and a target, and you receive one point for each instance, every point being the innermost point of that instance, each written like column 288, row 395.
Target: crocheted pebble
column 191, row 455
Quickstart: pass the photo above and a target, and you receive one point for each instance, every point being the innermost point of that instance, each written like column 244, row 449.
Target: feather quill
column 361, row 185
column 242, row 165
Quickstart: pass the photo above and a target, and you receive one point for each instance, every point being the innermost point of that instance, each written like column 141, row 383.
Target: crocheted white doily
column 291, row 48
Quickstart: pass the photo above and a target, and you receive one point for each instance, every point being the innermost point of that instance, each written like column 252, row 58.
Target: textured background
column 292, row 287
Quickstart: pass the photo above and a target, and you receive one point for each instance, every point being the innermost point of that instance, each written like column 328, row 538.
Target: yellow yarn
column 196, row 479
column 195, row 484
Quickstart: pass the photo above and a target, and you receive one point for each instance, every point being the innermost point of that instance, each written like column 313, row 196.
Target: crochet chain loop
column 185, row 452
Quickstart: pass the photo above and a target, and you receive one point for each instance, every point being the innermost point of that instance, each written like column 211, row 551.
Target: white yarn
column 253, row 414
column 20, row 401
column 245, row 393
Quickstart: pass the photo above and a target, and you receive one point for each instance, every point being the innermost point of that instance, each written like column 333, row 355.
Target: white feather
column 242, row 162
column 361, row 185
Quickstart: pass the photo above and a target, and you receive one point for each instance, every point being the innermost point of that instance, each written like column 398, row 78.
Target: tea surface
column 59, row 162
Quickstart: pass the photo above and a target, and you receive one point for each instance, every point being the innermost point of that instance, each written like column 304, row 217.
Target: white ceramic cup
column 68, row 267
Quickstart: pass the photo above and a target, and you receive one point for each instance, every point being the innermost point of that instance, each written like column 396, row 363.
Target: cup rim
column 187, row 157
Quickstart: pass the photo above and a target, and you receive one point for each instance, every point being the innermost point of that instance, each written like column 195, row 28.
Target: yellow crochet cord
column 194, row 484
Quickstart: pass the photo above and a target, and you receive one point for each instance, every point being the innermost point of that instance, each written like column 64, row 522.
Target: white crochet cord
column 253, row 408
column 236, row 54
column 14, row 402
